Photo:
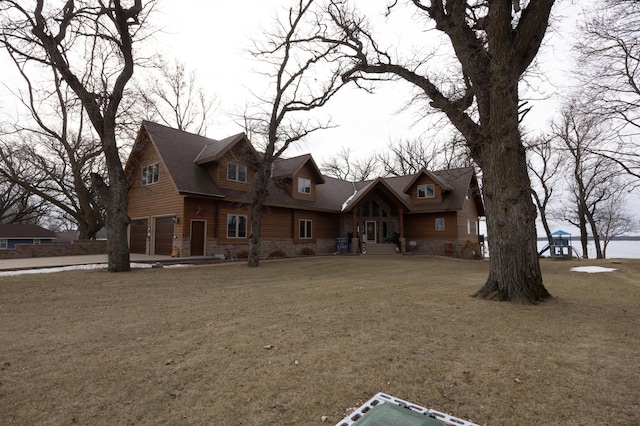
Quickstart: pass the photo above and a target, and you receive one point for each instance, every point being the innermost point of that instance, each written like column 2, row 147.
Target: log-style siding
column 277, row 223
column 200, row 209
column 221, row 221
column 420, row 226
column 306, row 172
column 157, row 199
column 218, row 171
column 424, row 180
column 299, row 215
column 468, row 213
column 327, row 225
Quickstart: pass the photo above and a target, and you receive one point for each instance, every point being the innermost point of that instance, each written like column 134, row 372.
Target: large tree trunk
column 262, row 176
column 114, row 200
column 514, row 273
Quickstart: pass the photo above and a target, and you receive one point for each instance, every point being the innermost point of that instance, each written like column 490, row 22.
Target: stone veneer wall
column 321, row 246
column 76, row 248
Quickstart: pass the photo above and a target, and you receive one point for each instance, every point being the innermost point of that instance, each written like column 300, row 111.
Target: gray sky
column 213, row 40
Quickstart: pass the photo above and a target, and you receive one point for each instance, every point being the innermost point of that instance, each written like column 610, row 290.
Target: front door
column 372, row 231
column 197, row 238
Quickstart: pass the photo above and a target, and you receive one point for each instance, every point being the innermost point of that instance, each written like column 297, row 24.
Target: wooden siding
column 468, row 213
column 218, row 170
column 158, row 199
column 305, row 172
column 423, row 226
column 425, row 180
column 200, row 209
column 327, row 225
column 299, row 215
column 221, row 227
column 277, row 223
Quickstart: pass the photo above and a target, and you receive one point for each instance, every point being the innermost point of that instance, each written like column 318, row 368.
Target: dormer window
column 426, row 191
column 304, row 185
column 150, row 174
column 236, row 172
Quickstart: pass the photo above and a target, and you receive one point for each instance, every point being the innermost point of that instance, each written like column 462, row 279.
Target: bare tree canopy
column 56, row 150
column 594, row 179
column 494, row 43
column 173, row 96
column 303, row 76
column 343, row 166
column 90, row 46
column 544, row 163
column 608, row 68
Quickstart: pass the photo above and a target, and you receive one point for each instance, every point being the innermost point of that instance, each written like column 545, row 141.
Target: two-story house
column 191, row 194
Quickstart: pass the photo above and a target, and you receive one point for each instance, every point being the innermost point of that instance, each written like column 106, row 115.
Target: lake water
column 615, row 249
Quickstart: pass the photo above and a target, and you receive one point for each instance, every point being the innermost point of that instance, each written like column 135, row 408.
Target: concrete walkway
column 57, row 261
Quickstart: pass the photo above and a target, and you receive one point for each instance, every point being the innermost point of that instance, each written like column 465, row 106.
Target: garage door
column 138, row 236
column 163, row 240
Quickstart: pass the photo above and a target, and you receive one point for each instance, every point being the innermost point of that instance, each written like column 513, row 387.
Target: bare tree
column 609, row 74
column 54, row 161
column 544, row 163
column 304, row 77
column 175, row 98
column 494, row 43
column 343, row 166
column 90, row 45
column 18, row 205
column 405, row 157
column 615, row 219
column 580, row 135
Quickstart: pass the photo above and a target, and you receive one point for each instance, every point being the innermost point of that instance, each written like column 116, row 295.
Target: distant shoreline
column 590, row 238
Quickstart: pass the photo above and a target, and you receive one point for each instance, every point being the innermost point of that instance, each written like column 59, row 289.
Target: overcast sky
column 212, row 37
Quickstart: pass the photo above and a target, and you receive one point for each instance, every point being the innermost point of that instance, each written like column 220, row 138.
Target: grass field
column 296, row 341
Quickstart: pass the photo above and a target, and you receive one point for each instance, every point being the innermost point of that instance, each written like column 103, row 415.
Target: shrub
column 277, row 253
column 307, row 252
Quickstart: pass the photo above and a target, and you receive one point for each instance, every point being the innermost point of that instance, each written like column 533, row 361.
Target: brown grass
column 292, row 341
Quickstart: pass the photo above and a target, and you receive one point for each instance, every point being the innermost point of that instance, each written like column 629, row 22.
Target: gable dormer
column 230, row 162
column 427, row 188
column 299, row 175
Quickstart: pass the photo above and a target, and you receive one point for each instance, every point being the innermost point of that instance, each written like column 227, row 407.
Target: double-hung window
column 305, row 229
column 304, row 185
column 427, row 190
column 236, row 172
column 150, row 174
column 440, row 224
column 236, row 226
column 3, row 243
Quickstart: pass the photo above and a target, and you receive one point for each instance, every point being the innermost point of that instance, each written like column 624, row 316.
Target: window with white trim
column 36, row 241
column 3, row 243
column 304, row 185
column 150, row 174
column 427, row 190
column 468, row 227
column 236, row 226
column 440, row 224
column 236, row 172
column 305, row 229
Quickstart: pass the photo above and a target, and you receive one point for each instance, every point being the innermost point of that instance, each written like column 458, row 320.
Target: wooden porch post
column 355, row 236
column 401, row 217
